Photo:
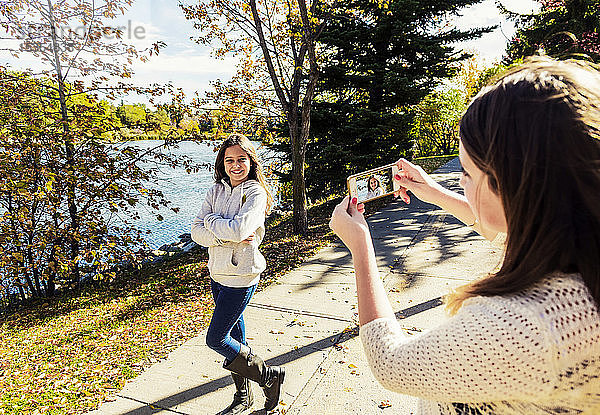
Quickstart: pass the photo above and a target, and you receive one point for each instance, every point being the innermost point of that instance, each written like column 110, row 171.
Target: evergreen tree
column 561, row 29
column 379, row 59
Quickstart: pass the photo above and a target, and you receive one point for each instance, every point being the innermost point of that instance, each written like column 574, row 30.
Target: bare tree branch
column 267, row 56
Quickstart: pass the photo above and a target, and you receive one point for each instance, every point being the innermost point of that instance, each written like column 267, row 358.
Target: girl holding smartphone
column 526, row 339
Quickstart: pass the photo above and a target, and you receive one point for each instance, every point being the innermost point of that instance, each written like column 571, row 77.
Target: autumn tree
column 132, row 115
column 35, row 223
column 435, row 125
column 158, row 119
column 68, row 194
column 561, row 29
column 274, row 42
column 436, row 118
column 177, row 108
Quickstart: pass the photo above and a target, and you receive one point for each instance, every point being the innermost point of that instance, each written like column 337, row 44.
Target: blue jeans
column 227, row 332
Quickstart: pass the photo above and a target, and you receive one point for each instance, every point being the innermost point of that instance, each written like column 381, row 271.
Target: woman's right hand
column 412, row 177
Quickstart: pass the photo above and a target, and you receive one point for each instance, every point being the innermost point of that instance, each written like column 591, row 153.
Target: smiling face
column 484, row 202
column 237, row 165
column 373, row 183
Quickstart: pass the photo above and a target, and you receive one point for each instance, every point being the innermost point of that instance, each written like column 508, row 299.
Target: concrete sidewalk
column 307, row 322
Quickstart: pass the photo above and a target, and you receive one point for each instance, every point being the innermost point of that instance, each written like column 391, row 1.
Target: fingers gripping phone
column 373, row 184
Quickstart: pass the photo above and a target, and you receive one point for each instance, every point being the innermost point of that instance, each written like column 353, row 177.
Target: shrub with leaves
column 67, row 194
column 111, row 181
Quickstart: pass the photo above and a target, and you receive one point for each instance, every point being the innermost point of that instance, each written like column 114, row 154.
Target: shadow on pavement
column 325, row 343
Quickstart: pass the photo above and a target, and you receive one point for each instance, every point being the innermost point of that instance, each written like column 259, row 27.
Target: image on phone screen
column 372, row 184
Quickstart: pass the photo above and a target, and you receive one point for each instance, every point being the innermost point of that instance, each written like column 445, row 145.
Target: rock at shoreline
column 186, row 237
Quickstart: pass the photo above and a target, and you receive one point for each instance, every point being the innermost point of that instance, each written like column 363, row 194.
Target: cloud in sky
column 189, row 65
column 491, row 46
column 185, row 69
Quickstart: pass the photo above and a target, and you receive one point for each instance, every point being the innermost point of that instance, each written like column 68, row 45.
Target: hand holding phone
column 373, row 184
column 348, row 222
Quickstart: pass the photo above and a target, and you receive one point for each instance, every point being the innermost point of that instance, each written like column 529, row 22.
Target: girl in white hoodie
column 231, row 224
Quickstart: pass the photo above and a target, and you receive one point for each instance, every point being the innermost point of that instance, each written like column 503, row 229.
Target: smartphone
column 373, row 184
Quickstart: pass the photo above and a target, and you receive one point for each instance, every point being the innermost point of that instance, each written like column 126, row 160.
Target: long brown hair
column 256, row 170
column 535, row 133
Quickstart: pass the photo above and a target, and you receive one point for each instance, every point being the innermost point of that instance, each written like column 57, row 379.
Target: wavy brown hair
column 535, row 133
column 256, row 170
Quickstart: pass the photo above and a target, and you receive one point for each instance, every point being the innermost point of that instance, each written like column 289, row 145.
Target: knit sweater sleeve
column 200, row 234
column 487, row 352
column 250, row 217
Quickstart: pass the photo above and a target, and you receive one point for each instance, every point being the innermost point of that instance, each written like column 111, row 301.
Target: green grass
column 58, row 357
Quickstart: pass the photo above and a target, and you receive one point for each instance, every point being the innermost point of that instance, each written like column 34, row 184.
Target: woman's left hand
column 348, row 222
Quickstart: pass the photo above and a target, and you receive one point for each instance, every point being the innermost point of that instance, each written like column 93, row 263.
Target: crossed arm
column 211, row 229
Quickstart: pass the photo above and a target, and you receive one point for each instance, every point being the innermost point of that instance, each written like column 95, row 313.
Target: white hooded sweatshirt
column 229, row 216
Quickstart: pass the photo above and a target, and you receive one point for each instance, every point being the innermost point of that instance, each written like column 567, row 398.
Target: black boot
column 242, row 399
column 254, row 368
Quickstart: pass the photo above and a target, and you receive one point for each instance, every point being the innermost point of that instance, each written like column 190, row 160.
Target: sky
column 190, row 66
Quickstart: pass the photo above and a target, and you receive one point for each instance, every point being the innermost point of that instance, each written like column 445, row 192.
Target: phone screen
column 372, row 184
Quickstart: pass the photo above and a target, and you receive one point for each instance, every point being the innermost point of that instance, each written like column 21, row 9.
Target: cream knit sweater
column 533, row 352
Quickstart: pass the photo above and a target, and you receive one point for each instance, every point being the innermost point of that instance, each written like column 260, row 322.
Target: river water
column 185, row 191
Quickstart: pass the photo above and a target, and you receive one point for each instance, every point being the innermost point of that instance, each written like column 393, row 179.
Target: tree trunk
column 32, row 290
column 300, row 217
column 69, row 151
column 52, row 265
column 34, row 270
column 22, row 293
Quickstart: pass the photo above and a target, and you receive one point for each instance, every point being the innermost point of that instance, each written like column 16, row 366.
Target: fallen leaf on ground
column 385, row 404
